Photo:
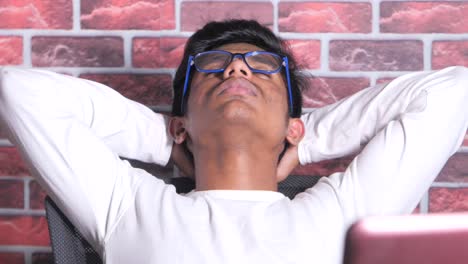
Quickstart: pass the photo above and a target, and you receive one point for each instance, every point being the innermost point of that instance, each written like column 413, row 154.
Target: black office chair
column 291, row 186
column 69, row 246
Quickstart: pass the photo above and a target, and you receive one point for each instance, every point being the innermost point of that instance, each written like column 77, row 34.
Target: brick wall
column 134, row 46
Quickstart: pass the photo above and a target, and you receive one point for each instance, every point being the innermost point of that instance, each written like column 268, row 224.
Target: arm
column 344, row 127
column 128, row 128
column 71, row 132
column 413, row 125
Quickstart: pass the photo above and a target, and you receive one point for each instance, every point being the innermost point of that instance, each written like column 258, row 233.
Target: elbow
column 459, row 74
column 7, row 99
column 22, row 90
column 460, row 71
column 9, row 94
column 19, row 92
column 3, row 89
column 6, row 91
column 452, row 82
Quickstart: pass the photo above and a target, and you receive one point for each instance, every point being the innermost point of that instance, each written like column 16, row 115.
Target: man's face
column 237, row 102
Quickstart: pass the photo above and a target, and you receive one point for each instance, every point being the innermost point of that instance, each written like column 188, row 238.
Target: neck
column 234, row 167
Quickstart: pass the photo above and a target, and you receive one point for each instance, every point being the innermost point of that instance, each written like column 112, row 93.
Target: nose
column 237, row 68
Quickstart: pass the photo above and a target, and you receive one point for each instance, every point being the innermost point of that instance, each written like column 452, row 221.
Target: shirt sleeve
column 412, row 126
column 71, row 132
column 343, row 128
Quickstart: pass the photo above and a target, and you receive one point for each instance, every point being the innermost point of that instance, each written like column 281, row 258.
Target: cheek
column 196, row 78
column 200, row 88
column 278, row 94
column 277, row 101
column 195, row 89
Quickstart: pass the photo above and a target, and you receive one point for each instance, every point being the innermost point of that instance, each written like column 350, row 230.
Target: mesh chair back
column 291, row 186
column 295, row 184
column 68, row 245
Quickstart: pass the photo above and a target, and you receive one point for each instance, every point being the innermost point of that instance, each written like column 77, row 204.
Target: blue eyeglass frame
column 191, row 63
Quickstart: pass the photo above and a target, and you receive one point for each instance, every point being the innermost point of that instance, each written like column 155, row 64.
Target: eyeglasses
column 218, row 60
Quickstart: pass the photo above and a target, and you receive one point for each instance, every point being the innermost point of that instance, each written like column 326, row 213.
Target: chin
column 237, row 111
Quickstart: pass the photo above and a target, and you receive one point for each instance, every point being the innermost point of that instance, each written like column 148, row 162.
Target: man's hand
column 183, row 159
column 288, row 162
column 180, row 155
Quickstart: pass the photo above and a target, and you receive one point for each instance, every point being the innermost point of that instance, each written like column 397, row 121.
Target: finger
column 186, row 166
column 183, row 160
column 288, row 163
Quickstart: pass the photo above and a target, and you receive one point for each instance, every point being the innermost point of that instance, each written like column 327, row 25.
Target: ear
column 296, row 131
column 177, row 129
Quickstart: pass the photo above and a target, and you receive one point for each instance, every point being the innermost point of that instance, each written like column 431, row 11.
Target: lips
column 237, row 86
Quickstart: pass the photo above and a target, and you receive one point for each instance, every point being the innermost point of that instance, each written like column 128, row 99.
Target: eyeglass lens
column 220, row 60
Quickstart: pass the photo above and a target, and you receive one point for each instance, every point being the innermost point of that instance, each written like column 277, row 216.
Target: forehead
column 239, row 47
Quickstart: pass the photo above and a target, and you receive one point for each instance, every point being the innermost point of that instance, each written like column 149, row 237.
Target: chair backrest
column 69, row 246
column 294, row 184
column 291, row 186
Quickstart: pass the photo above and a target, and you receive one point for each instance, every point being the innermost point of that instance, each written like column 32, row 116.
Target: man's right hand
column 288, row 163
column 183, row 159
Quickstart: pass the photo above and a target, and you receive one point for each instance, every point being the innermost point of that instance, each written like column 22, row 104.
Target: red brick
column 36, row 195
column 148, row 89
column 445, row 200
column 128, row 14
column 324, row 168
column 11, row 194
column 306, row 52
column 196, row 14
column 24, row 230
column 424, row 17
column 376, row 55
column 456, row 169
column 326, row 90
column 11, row 258
column 325, row 17
column 11, row 50
column 42, row 258
column 449, row 53
column 40, row 14
column 11, row 163
column 77, row 51
column 158, row 52
column 465, row 141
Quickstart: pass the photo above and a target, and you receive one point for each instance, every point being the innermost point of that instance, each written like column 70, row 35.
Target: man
column 236, row 125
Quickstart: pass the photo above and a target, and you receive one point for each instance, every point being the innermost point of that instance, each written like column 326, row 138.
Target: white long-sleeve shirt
column 72, row 132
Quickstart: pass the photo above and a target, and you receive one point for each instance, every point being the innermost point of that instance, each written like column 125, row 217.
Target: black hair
column 215, row 34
